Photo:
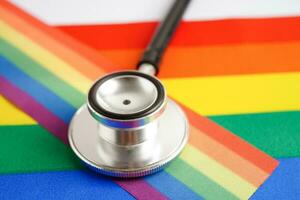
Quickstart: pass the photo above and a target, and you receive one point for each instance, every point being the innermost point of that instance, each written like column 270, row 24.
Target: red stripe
column 65, row 39
column 139, row 188
column 231, row 141
column 137, row 35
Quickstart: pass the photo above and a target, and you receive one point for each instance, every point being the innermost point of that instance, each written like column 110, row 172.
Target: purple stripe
column 138, row 188
column 25, row 102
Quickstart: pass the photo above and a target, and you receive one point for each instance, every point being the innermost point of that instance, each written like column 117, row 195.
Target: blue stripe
column 283, row 184
column 60, row 185
column 40, row 93
column 170, row 186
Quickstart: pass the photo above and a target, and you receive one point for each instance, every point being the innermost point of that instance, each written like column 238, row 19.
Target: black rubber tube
column 163, row 34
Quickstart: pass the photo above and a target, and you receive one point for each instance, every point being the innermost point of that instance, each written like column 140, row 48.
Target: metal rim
column 132, row 123
column 101, row 111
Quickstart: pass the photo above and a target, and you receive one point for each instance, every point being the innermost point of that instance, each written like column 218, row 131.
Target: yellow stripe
column 45, row 58
column 216, row 172
column 11, row 115
column 237, row 94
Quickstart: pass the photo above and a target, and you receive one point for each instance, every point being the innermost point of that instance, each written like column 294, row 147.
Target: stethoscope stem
column 149, row 62
column 147, row 68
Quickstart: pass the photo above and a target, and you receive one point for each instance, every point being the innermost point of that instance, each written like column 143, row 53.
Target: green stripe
column 198, row 182
column 277, row 134
column 40, row 74
column 32, row 149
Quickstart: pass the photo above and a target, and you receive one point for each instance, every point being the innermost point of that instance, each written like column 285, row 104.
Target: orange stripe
column 59, row 36
column 226, row 157
column 218, row 60
column 229, row 31
column 231, row 141
column 87, row 68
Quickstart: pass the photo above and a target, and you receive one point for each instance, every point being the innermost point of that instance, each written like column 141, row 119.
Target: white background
column 63, row 12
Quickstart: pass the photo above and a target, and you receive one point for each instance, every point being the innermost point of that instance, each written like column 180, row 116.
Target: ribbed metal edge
column 129, row 174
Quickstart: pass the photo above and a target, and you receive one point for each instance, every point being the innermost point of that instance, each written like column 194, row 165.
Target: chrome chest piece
column 128, row 128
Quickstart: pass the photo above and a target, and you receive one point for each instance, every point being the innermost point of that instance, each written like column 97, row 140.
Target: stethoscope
column 129, row 127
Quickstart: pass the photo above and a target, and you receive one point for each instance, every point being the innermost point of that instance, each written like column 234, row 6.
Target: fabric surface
column 24, row 160
column 60, row 185
column 35, row 59
column 284, row 183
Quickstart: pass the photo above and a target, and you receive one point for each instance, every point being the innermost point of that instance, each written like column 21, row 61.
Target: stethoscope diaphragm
column 128, row 142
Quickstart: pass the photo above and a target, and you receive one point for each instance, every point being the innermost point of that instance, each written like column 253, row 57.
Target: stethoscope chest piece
column 128, row 127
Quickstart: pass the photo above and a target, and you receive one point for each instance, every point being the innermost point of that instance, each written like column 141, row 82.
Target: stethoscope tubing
column 163, row 34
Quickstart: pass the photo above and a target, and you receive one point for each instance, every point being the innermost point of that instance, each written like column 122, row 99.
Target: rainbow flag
column 46, row 73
